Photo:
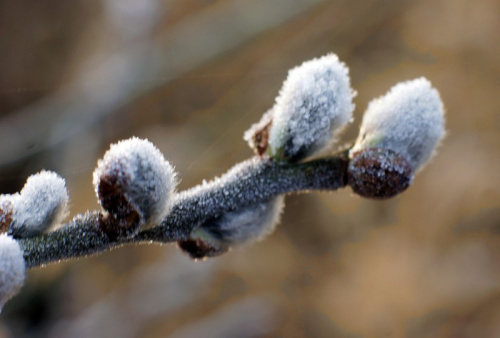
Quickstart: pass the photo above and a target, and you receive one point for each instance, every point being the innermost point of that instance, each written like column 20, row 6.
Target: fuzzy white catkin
column 12, row 269
column 145, row 177
column 313, row 107
column 41, row 205
column 409, row 120
column 248, row 224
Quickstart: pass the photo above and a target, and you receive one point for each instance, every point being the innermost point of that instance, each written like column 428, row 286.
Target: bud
column 216, row 236
column 409, row 120
column 12, row 269
column 313, row 107
column 41, row 205
column 134, row 184
column 399, row 134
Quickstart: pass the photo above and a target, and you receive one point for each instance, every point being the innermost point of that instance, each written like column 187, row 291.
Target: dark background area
column 192, row 76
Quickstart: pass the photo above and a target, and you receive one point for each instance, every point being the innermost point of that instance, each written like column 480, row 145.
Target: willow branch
column 249, row 182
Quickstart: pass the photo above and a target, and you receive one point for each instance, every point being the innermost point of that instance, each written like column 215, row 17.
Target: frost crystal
column 313, row 107
column 409, row 120
column 12, row 269
column 134, row 180
column 41, row 205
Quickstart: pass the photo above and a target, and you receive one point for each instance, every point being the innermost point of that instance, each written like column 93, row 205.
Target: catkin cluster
column 39, row 207
column 398, row 135
column 135, row 185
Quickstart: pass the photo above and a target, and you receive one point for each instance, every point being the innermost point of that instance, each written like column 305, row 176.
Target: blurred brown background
column 192, row 76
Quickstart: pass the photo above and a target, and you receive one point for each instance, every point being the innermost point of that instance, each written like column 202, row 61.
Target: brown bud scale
column 6, row 209
column 123, row 219
column 261, row 139
column 258, row 134
column 378, row 173
column 197, row 248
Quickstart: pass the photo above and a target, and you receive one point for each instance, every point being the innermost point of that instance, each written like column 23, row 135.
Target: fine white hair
column 409, row 120
column 12, row 268
column 313, row 107
column 41, row 205
column 248, row 224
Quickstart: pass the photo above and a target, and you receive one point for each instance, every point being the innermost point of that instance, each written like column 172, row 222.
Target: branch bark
column 251, row 181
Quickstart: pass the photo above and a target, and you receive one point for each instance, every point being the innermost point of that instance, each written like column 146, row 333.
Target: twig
column 252, row 181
